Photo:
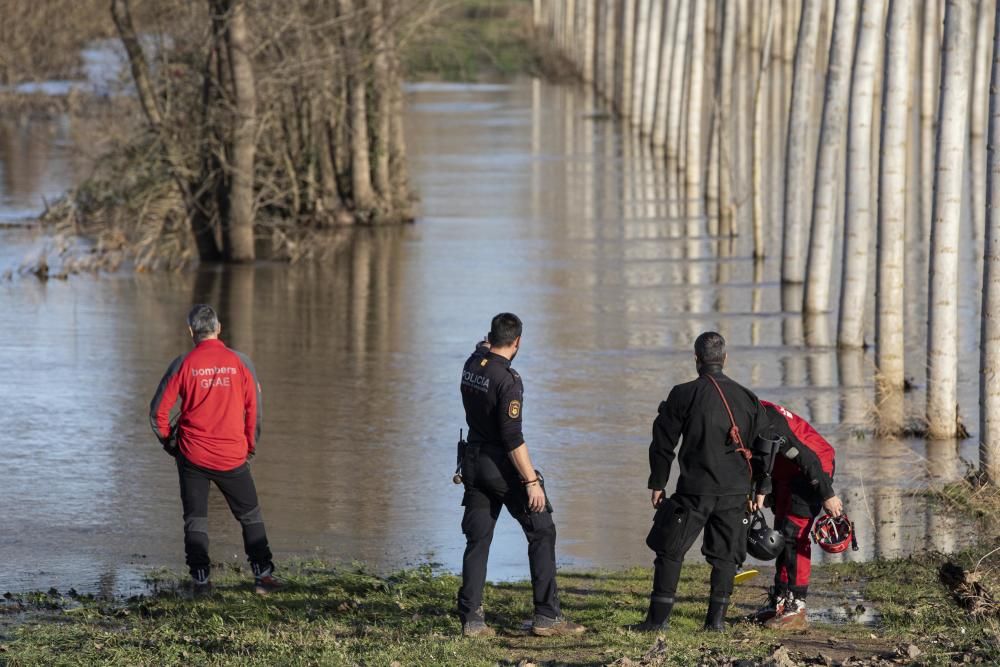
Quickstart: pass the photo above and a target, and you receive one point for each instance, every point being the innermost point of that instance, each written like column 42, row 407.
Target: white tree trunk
column 663, row 90
column 828, row 161
column 609, row 24
column 726, row 114
column 798, row 158
column 980, row 104
column 694, row 176
column 942, row 329
column 890, row 294
column 626, row 34
column 589, row 40
column 758, row 147
column 989, row 346
column 652, row 77
column 931, row 66
column 639, row 62
column 858, row 200
column 677, row 82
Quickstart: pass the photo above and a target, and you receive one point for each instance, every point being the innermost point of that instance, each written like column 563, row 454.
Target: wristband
column 529, row 482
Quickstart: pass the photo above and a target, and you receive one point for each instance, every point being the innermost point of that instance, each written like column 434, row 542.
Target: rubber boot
column 657, row 617
column 715, row 620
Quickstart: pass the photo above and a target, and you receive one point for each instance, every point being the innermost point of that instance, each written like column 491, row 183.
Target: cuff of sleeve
column 513, row 443
column 827, row 492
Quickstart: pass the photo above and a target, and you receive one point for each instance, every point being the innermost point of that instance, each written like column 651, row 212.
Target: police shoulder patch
column 484, row 362
column 514, row 409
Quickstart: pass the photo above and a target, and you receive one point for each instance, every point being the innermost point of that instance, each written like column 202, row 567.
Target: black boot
column 658, row 616
column 715, row 620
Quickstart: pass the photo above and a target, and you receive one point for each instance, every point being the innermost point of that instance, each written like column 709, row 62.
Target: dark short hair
column 203, row 321
column 504, row 329
column 710, row 348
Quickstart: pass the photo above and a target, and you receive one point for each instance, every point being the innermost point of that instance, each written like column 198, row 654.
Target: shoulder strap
column 734, row 432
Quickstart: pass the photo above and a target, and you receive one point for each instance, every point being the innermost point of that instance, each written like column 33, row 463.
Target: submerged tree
column 989, row 345
column 890, row 262
column 858, row 197
column 942, row 324
column 286, row 114
column 827, row 184
column 798, row 156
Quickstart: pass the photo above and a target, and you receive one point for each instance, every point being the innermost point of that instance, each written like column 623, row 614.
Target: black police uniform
column 493, row 394
column 714, row 484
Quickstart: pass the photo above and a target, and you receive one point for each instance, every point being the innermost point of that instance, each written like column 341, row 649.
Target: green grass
column 474, row 40
column 347, row 616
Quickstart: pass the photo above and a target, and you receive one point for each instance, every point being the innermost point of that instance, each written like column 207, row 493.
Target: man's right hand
column 834, row 506
column 536, row 497
column 657, row 497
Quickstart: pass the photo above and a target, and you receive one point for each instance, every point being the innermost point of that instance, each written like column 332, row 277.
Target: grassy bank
column 477, row 40
column 349, row 616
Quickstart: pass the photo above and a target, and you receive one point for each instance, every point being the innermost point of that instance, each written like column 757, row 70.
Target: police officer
column 714, row 415
column 497, row 472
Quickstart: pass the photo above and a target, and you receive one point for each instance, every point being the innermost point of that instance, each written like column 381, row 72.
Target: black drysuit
column 714, row 484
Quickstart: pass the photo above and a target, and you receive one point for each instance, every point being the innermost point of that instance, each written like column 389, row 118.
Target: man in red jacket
column 213, row 438
column 800, row 484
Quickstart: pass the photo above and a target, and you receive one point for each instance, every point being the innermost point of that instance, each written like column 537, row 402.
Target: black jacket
column 710, row 465
column 493, row 397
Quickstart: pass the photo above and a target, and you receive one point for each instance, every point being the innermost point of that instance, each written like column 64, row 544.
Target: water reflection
column 532, row 204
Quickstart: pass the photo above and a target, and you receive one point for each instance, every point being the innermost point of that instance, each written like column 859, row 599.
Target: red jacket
column 805, row 452
column 219, row 421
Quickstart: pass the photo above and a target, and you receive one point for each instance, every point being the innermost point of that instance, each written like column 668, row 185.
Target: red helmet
column 834, row 533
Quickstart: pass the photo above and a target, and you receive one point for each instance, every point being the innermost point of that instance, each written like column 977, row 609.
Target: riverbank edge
column 345, row 614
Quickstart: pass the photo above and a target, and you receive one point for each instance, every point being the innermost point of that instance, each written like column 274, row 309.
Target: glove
column 250, row 455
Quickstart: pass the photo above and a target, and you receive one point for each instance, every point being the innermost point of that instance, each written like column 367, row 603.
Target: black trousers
column 238, row 488
column 675, row 528
column 491, row 482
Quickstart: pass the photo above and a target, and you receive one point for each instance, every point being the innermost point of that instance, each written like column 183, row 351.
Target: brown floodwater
column 530, row 203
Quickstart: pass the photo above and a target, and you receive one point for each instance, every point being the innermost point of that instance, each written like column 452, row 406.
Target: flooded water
column 530, row 203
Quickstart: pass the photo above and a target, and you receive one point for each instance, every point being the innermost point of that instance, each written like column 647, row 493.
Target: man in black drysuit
column 497, row 472
column 714, row 487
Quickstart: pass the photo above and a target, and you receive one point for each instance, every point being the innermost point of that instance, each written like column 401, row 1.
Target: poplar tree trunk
column 980, row 104
column 677, row 63
column 694, row 177
column 858, row 200
column 819, row 268
column 652, row 75
column 626, row 58
column 989, row 346
column 663, row 90
column 726, row 114
column 931, row 66
column 588, row 38
column 639, row 62
column 758, row 140
column 890, row 294
column 953, row 117
column 798, row 157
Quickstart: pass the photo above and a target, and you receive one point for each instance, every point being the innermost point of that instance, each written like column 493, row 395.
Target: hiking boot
column 790, row 615
column 476, row 628
column 650, row 626
column 267, row 584
column 201, row 585
column 475, row 625
column 544, row 626
column 770, row 608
